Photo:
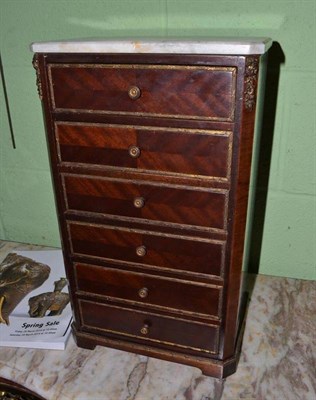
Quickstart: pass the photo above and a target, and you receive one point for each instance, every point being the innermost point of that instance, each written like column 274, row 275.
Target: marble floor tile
column 278, row 359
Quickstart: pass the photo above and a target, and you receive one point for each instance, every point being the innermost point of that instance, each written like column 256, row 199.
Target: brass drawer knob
column 141, row 251
column 134, row 151
column 143, row 292
column 139, row 202
column 145, row 329
column 134, row 92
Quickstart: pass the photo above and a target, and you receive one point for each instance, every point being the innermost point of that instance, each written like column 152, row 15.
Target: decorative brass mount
column 250, row 84
column 38, row 76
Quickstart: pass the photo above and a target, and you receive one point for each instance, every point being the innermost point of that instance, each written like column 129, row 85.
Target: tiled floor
column 278, row 359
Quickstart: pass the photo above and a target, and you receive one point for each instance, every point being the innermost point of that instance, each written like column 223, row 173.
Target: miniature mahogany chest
column 150, row 146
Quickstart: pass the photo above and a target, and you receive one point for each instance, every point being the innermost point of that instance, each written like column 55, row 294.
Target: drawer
column 148, row 327
column 196, row 206
column 167, row 150
column 147, row 248
column 151, row 290
column 195, row 92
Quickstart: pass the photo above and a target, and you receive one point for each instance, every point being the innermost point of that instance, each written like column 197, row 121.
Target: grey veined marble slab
column 231, row 46
column 277, row 361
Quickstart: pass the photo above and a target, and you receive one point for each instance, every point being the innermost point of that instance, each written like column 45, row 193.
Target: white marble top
column 232, row 46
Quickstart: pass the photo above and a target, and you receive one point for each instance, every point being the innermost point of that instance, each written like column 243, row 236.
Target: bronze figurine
column 19, row 275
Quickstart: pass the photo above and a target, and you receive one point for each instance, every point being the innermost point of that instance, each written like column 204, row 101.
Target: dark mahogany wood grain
column 164, row 251
column 112, row 319
column 193, row 152
column 242, row 154
column 160, row 203
column 180, row 91
column 194, row 127
column 142, row 58
column 165, row 292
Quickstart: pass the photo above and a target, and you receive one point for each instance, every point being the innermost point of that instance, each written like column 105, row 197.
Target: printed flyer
column 34, row 300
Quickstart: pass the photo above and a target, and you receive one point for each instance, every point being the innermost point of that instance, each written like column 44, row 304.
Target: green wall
column 27, row 212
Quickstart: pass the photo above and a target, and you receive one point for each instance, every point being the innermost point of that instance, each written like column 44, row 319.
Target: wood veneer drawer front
column 148, row 327
column 136, row 246
column 137, row 199
column 180, row 151
column 150, row 290
column 166, row 91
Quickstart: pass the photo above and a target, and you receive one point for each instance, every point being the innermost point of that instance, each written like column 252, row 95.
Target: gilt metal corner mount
column 38, row 76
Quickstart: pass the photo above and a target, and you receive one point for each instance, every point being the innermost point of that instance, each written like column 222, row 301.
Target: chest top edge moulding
column 218, row 45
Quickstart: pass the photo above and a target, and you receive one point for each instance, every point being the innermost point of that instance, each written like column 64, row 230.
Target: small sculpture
column 19, row 275
column 55, row 301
